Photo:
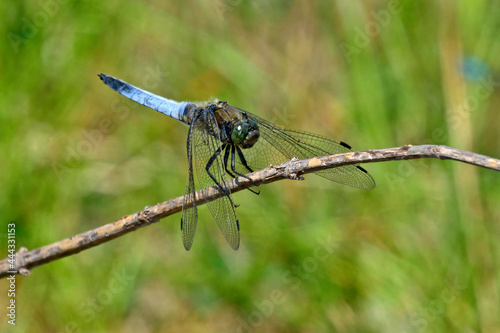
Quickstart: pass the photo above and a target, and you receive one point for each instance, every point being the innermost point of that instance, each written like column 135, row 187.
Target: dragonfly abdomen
column 171, row 108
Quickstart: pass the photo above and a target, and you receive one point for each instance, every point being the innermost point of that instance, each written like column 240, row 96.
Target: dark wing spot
column 345, row 145
column 360, row 168
column 181, row 224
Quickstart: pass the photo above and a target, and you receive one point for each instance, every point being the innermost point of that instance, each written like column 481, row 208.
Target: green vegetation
column 419, row 253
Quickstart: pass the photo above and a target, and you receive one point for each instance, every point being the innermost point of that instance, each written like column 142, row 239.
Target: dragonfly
column 225, row 142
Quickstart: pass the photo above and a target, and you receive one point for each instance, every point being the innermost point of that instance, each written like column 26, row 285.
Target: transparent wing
column 189, row 219
column 277, row 145
column 351, row 175
column 205, row 145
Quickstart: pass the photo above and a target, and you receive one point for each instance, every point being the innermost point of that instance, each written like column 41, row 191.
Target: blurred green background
column 419, row 253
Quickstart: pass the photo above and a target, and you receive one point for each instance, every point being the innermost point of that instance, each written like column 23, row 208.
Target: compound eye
column 239, row 132
column 253, row 124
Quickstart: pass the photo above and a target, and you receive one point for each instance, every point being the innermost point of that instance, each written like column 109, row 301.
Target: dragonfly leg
column 244, row 162
column 242, row 159
column 226, row 159
column 207, row 168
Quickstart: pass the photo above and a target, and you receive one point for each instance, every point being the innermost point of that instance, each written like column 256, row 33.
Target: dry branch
column 25, row 260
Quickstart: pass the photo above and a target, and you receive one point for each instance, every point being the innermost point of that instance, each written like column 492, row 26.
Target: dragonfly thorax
column 236, row 128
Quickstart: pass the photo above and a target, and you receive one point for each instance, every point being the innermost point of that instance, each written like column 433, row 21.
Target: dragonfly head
column 245, row 133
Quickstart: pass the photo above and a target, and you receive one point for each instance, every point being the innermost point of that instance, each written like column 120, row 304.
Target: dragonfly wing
column 278, row 144
column 189, row 218
column 315, row 145
column 205, row 147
